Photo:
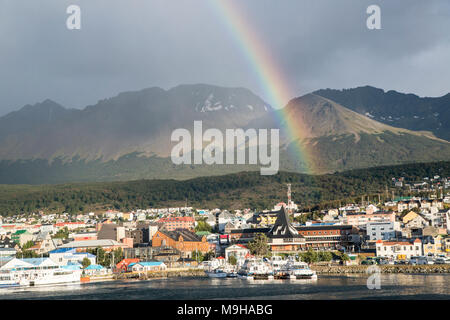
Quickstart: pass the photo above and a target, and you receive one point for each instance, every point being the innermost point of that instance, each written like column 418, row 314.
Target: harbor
column 397, row 286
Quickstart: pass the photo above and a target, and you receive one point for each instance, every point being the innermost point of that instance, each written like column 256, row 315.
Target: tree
column 27, row 254
column 258, row 246
column 203, row 226
column 325, row 256
column 62, row 234
column 85, row 263
column 310, row 256
column 28, row 245
column 197, row 256
column 208, row 256
column 232, row 260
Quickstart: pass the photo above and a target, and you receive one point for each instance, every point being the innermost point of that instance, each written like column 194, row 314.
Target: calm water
column 393, row 286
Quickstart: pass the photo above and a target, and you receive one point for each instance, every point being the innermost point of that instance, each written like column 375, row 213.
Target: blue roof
column 150, row 263
column 72, row 267
column 87, row 254
column 62, row 250
column 95, row 267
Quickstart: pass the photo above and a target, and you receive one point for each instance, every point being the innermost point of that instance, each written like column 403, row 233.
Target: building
column 266, row 219
column 433, row 245
column 173, row 223
column 239, row 251
column 95, row 270
column 70, row 256
column 245, row 235
column 359, row 219
column 105, row 244
column 322, row 236
column 380, row 231
column 111, row 231
column 21, row 237
column 123, row 265
column 222, row 219
column 414, row 220
column 146, row 266
column 399, row 250
column 283, row 237
column 84, row 236
column 7, row 252
column 181, row 239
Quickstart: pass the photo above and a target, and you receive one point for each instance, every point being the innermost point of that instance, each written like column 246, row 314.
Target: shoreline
column 406, row 269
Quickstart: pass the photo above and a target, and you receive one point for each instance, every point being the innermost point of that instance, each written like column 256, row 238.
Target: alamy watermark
column 229, row 148
column 374, row 280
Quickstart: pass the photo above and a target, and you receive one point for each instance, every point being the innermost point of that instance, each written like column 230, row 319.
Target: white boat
column 23, row 277
column 7, row 280
column 254, row 268
column 217, row 273
column 300, row 270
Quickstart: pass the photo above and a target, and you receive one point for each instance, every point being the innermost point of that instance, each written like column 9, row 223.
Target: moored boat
column 217, row 273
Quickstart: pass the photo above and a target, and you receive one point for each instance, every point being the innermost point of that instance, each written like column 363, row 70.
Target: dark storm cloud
column 129, row 45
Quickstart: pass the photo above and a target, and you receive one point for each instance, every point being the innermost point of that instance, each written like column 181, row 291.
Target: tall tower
column 289, row 204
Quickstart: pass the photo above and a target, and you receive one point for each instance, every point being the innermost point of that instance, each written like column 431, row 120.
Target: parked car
column 418, row 260
column 386, row 261
column 442, row 260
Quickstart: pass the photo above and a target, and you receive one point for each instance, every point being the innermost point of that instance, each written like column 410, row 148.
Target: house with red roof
column 123, row 265
column 399, row 250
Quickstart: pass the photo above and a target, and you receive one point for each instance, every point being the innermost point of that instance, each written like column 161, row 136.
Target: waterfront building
column 95, row 270
column 239, row 251
column 323, row 236
column 433, row 245
column 283, row 237
column 123, row 265
column 147, row 266
column 399, row 250
column 67, row 256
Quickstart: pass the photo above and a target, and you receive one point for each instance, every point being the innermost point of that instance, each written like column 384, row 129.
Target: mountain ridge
column 128, row 136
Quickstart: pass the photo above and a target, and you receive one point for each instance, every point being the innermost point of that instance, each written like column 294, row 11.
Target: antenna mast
column 289, row 204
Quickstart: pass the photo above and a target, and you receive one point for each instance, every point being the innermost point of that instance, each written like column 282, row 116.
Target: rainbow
column 264, row 65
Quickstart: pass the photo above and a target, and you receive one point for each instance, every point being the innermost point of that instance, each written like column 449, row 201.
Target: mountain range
column 128, row 136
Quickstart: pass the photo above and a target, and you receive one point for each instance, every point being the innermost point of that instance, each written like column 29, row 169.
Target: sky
column 136, row 44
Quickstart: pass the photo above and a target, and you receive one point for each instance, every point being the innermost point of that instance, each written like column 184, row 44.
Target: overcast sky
column 135, row 44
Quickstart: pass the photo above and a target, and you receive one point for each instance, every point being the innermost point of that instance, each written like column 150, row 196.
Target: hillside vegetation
column 233, row 191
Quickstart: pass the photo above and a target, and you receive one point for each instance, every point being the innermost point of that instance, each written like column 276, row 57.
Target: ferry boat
column 24, row 277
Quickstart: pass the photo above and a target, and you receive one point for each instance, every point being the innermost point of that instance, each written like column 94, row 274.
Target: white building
column 399, row 249
column 238, row 251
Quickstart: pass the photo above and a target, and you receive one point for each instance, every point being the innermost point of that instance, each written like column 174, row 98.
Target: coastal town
column 283, row 241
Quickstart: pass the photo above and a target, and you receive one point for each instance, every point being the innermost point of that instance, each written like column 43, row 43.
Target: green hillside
column 233, row 191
